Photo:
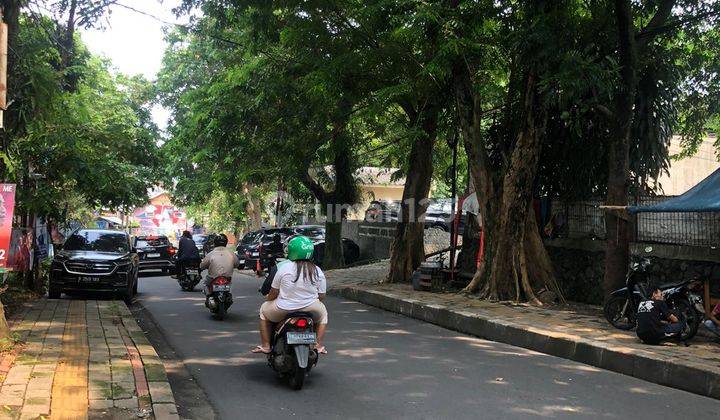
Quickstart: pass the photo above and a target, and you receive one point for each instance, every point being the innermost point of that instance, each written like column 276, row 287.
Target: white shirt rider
column 296, row 294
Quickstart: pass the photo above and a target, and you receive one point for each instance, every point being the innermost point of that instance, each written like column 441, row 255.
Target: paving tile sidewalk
column 81, row 359
column 565, row 333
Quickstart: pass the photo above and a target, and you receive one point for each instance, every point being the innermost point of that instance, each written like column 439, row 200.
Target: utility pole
column 3, row 68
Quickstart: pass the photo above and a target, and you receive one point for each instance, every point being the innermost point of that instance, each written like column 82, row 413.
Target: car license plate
column 89, row 279
column 221, row 288
column 153, row 255
column 255, row 254
column 300, row 338
column 242, row 261
column 191, row 272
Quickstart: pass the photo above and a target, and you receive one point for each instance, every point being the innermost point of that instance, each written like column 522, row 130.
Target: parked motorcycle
column 291, row 355
column 218, row 297
column 189, row 275
column 684, row 298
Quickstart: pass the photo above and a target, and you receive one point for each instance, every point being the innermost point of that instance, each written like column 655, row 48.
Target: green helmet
column 300, row 248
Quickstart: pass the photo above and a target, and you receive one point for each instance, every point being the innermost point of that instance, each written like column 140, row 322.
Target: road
column 383, row 365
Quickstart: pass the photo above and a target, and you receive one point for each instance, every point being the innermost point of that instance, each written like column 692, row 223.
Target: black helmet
column 221, row 240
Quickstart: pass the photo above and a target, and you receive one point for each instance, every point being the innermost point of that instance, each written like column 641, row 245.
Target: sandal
column 321, row 350
column 260, row 349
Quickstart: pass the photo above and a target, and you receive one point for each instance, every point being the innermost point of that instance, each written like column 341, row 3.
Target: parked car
column 155, row 253
column 439, row 215
column 250, row 250
column 316, row 233
column 382, row 211
column 95, row 260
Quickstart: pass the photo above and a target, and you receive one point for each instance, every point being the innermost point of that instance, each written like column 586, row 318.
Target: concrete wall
column 375, row 239
column 580, row 264
column 686, row 173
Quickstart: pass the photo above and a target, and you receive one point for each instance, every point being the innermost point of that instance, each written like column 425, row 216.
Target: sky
column 135, row 42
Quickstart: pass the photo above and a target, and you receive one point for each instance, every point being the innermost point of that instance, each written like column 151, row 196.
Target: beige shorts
column 270, row 312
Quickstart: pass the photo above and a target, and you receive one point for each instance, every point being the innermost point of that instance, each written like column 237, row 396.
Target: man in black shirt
column 655, row 322
column 188, row 252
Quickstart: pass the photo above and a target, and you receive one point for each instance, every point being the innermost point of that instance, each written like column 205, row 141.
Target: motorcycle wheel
column 297, row 377
column 692, row 320
column 620, row 313
column 220, row 310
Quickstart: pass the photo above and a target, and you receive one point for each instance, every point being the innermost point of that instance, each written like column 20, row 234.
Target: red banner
column 7, row 206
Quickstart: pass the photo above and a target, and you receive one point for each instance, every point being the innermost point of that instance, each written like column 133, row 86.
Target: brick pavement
column 82, row 359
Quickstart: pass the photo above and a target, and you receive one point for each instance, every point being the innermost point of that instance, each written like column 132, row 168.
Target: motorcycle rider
column 220, row 262
column 655, row 322
column 187, row 252
column 298, row 286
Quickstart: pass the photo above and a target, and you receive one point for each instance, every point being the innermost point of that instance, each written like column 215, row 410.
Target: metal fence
column 585, row 219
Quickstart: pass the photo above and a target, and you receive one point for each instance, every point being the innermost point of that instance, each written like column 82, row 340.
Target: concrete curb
column 645, row 366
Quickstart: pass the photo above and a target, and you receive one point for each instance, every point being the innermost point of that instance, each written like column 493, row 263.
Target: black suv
column 155, row 252
column 95, row 260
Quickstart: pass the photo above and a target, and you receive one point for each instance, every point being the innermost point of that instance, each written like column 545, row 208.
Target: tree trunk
column 11, row 16
column 67, row 47
column 468, row 105
column 252, row 207
column 617, row 252
column 340, row 199
column 4, row 327
column 408, row 247
column 517, row 194
column 333, row 257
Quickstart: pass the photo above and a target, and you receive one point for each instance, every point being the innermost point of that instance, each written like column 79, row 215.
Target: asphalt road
column 383, row 365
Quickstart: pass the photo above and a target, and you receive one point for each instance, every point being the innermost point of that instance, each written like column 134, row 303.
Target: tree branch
column 661, row 16
column 314, row 187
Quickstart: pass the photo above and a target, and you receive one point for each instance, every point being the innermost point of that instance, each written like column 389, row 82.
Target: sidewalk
column 80, row 359
column 583, row 336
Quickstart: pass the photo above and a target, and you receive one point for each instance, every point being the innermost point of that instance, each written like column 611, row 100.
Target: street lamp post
column 453, row 142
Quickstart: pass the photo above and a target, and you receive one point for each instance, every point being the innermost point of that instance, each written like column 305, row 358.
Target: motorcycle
column 218, row 297
column 189, row 275
column 292, row 355
column 683, row 298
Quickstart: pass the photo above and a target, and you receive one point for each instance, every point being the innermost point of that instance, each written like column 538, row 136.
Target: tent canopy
column 704, row 197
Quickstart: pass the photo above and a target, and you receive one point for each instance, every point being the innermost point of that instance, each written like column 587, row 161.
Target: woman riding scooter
column 298, row 285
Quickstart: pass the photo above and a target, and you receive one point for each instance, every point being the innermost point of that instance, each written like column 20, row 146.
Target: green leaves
column 95, row 144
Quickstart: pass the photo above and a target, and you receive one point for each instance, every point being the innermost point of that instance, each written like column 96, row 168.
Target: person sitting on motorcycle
column 298, row 286
column 220, row 262
column 187, row 252
column 712, row 322
column 655, row 322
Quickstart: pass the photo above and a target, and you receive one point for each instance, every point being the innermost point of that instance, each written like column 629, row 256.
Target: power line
column 180, row 25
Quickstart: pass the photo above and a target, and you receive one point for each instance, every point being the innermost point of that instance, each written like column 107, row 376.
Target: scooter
column 684, row 298
column 292, row 353
column 218, row 297
column 189, row 275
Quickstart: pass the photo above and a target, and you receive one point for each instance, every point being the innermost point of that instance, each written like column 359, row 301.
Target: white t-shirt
column 298, row 294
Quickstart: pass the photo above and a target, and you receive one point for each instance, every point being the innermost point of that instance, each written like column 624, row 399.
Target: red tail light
column 172, row 250
column 221, row 280
column 302, row 323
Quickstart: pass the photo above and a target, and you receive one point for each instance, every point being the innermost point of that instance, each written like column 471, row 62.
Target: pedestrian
column 655, row 322
column 712, row 322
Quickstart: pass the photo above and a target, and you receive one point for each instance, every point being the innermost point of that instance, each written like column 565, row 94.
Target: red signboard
column 7, row 206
